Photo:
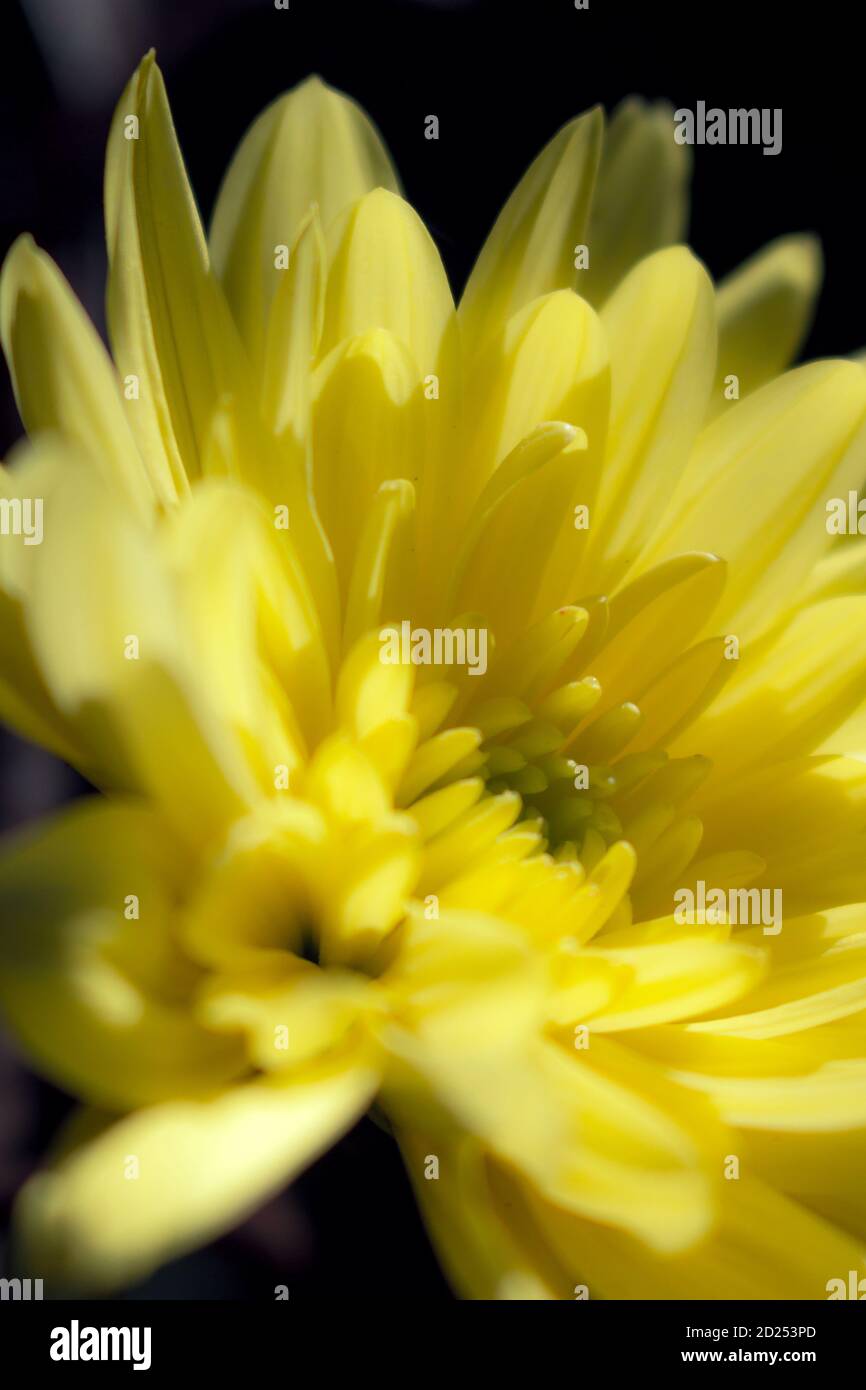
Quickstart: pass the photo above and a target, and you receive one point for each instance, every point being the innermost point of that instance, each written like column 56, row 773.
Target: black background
column 501, row 77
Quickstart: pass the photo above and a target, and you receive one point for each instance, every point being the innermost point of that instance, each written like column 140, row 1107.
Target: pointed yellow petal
column 531, row 249
column 765, row 310
column 660, row 328
column 312, row 145
column 170, row 326
column 63, row 378
column 385, row 272
column 641, row 195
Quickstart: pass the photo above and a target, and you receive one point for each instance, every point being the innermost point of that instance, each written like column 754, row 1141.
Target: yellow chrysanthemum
column 320, row 879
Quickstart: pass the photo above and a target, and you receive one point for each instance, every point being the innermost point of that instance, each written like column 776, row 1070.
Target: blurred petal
column 64, row 380
column 641, row 195
column 83, row 985
column 227, row 558
column 765, row 310
column 25, row 702
column 89, row 1223
column 763, row 1247
column 804, row 818
column 128, row 684
column 486, row 1254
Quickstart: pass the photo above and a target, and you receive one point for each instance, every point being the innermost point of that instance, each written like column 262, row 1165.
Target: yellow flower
column 321, row 878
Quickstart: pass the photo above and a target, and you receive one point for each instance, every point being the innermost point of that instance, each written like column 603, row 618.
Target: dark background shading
column 501, row 77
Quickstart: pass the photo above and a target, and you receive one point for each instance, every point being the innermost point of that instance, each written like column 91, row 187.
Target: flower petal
column 762, row 1247
column 549, row 363
column 82, row 983
column 385, row 272
column 486, row 1255
column 128, row 684
column 757, row 484
column 312, row 145
column 25, row 702
column 660, row 328
column 641, row 195
column 63, row 378
column 531, row 249
column 383, row 574
column 804, row 818
column 789, row 697
column 368, row 428
column 765, row 309
column 170, row 325
column 201, row 1167
column 264, row 662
